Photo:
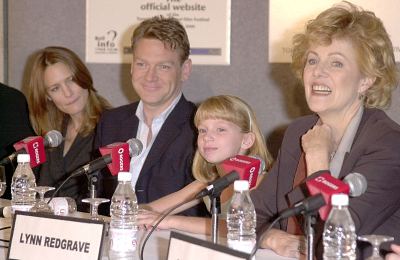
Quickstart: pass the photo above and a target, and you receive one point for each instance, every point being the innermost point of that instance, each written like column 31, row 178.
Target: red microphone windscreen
column 34, row 146
column 327, row 185
column 120, row 160
column 247, row 167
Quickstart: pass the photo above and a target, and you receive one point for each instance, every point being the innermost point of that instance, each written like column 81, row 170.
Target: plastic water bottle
column 339, row 236
column 123, row 211
column 63, row 205
column 22, row 198
column 241, row 219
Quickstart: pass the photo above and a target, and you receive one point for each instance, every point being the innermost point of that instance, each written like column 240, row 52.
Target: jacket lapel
column 171, row 128
column 350, row 159
column 129, row 124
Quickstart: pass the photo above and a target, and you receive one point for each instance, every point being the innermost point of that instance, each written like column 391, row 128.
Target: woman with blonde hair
column 346, row 62
column 62, row 97
column 226, row 127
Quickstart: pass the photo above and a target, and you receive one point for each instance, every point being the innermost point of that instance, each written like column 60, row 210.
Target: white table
column 156, row 247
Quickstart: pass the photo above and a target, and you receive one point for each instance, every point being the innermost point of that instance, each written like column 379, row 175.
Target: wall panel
column 270, row 89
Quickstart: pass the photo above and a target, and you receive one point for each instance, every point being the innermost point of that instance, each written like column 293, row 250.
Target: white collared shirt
column 137, row 162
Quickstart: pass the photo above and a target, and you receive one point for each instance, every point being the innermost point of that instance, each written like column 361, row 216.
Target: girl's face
column 219, row 139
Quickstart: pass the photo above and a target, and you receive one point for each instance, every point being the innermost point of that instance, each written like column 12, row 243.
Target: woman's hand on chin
column 285, row 244
column 317, row 145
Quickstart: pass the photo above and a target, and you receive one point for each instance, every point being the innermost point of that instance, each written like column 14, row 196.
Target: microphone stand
column 310, row 221
column 92, row 186
column 215, row 211
column 92, row 189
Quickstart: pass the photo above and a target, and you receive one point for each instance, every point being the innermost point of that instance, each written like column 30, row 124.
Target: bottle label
column 245, row 246
column 122, row 240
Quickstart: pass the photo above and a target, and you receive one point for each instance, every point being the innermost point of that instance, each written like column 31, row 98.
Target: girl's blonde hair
column 234, row 110
column 44, row 114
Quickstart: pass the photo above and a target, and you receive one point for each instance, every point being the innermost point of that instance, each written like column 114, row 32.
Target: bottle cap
column 124, row 176
column 340, row 199
column 5, row 212
column 23, row 158
column 241, row 185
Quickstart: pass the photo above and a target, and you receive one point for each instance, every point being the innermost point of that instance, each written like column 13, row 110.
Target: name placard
column 43, row 236
column 182, row 246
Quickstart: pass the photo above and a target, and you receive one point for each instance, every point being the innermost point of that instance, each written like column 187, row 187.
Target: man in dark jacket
column 14, row 126
column 162, row 119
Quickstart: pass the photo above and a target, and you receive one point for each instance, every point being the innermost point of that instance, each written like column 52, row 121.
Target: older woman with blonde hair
column 346, row 62
column 61, row 96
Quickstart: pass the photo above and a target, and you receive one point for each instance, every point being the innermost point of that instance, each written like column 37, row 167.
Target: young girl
column 226, row 127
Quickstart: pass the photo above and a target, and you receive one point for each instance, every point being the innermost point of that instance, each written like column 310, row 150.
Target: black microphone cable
column 74, row 174
column 5, row 240
column 304, row 207
column 258, row 241
column 59, row 187
column 86, row 169
column 214, row 188
column 158, row 223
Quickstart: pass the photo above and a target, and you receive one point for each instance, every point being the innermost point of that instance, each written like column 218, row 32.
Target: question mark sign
column 113, row 33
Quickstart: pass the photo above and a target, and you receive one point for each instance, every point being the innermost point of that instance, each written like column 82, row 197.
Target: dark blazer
column 14, row 126
column 375, row 153
column 168, row 165
column 58, row 167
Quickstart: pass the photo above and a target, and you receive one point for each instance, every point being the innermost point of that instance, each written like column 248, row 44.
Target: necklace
column 72, row 132
column 76, row 130
column 332, row 155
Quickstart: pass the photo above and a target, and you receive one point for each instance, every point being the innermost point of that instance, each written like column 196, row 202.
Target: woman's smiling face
column 332, row 78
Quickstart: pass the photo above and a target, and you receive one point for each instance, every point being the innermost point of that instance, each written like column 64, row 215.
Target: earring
column 360, row 96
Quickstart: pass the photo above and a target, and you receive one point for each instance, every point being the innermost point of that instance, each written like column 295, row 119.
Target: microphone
column 116, row 157
column 34, row 146
column 305, row 206
column 135, row 147
column 248, row 167
column 357, row 184
column 115, row 154
column 53, row 138
column 354, row 184
column 218, row 185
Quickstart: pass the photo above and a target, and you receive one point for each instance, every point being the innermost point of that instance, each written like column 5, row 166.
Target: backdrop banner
column 288, row 17
column 109, row 26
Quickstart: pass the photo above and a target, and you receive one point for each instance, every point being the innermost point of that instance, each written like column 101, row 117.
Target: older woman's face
column 332, row 78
